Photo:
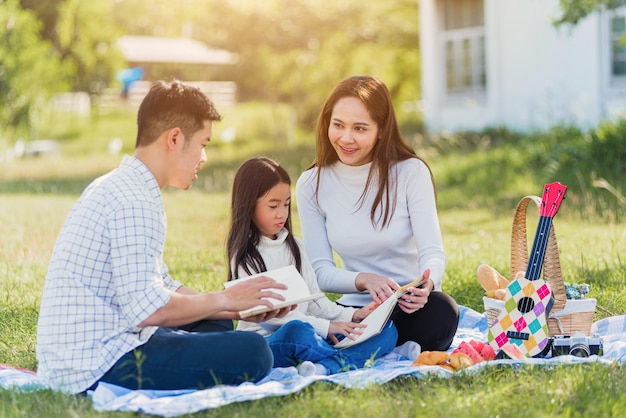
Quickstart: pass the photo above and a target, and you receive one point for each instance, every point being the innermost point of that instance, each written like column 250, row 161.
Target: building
column 489, row 63
column 182, row 58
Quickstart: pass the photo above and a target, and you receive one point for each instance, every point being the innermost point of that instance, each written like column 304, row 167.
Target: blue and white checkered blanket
column 283, row 381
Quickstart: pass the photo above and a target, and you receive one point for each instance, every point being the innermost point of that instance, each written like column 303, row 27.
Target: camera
column 578, row 345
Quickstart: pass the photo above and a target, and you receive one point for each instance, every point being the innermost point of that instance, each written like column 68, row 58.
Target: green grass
column 477, row 196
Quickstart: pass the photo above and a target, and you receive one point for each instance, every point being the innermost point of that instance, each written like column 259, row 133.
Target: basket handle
column 551, row 263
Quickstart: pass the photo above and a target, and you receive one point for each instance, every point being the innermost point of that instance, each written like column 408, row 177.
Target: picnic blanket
column 286, row 380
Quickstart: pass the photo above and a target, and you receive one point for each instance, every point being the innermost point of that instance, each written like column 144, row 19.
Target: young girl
column 259, row 240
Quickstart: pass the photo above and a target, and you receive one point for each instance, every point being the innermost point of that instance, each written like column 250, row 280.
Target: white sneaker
column 308, row 368
column 409, row 349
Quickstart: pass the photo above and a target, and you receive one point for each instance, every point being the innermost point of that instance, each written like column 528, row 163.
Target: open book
column 376, row 320
column 297, row 290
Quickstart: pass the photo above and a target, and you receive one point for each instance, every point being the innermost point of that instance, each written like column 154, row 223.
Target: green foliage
column 573, row 11
column 83, row 35
column 294, row 51
column 608, row 148
column 49, row 47
column 28, row 72
column 591, row 163
column 491, row 137
column 496, row 165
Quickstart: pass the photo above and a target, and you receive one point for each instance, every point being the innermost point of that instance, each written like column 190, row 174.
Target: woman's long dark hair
column 390, row 148
column 254, row 178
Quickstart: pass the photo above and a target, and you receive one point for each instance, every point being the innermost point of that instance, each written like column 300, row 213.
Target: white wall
column 537, row 75
column 548, row 75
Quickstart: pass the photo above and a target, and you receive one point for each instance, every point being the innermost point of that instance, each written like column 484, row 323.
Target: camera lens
column 579, row 350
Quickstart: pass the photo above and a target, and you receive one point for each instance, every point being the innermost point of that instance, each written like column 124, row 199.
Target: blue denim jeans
column 296, row 341
column 196, row 356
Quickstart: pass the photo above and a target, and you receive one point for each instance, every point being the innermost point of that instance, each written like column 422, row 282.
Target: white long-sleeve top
column 319, row 312
column 409, row 244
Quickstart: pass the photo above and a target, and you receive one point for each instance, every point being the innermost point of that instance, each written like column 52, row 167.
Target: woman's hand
column 379, row 287
column 348, row 329
column 362, row 313
column 416, row 297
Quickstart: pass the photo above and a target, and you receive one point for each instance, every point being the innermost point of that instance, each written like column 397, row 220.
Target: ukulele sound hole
column 525, row 304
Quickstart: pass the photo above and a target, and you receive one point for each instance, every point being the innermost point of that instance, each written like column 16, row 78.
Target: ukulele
column 528, row 299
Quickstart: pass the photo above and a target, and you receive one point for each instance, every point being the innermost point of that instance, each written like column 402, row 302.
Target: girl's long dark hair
column 254, row 178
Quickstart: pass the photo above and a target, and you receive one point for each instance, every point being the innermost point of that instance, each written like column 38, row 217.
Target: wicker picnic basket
column 567, row 315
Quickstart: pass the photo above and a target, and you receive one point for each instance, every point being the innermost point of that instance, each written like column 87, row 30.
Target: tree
column 576, row 10
column 29, row 71
column 83, row 35
column 295, row 52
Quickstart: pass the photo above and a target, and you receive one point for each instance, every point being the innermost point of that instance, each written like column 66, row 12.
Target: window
column 618, row 46
column 463, row 40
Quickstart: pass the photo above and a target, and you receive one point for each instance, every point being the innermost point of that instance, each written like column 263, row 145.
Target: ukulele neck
column 537, row 254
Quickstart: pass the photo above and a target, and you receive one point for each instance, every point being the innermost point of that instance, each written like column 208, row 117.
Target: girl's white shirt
column 319, row 313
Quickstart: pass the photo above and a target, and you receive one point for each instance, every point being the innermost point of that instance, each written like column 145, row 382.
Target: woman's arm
column 315, row 237
column 422, row 209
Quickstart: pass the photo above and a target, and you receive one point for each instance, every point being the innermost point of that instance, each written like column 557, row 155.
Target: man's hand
column 185, row 306
column 266, row 316
column 251, row 293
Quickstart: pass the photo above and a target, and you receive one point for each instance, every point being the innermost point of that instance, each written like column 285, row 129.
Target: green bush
column 592, row 165
column 493, row 167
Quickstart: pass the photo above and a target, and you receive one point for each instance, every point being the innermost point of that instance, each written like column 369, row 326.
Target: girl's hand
column 379, row 287
column 362, row 313
column 349, row 329
column 416, row 297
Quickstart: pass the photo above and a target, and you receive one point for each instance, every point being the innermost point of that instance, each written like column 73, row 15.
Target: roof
column 166, row 50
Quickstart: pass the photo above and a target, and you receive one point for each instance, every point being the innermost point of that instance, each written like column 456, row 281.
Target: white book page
column 376, row 320
column 297, row 291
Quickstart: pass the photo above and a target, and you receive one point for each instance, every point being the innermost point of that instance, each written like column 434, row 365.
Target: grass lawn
column 36, row 195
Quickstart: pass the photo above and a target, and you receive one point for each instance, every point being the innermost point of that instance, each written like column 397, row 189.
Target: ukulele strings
column 540, row 244
column 539, row 249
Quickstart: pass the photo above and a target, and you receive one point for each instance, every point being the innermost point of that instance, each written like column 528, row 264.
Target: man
column 110, row 312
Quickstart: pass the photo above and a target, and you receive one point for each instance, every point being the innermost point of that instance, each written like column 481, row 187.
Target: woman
column 371, row 200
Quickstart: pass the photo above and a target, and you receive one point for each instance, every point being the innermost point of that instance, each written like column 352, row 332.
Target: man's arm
column 186, row 306
column 184, row 290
